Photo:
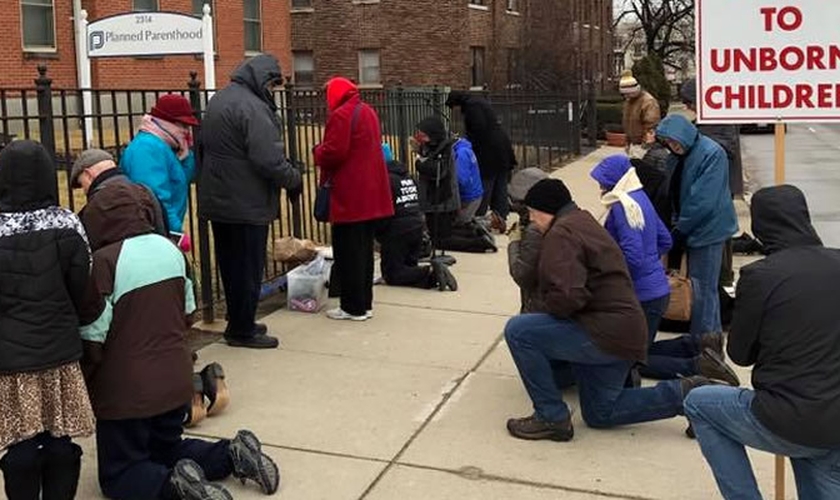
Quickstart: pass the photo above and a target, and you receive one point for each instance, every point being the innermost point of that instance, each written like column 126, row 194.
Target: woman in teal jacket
column 161, row 158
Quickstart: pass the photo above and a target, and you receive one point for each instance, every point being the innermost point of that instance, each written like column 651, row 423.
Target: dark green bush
column 609, row 114
column 650, row 72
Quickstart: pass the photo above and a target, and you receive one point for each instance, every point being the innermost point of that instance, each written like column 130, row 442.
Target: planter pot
column 616, row 139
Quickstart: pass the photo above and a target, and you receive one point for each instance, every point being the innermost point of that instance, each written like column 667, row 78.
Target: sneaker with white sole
column 249, row 462
column 190, row 483
column 340, row 315
column 369, row 313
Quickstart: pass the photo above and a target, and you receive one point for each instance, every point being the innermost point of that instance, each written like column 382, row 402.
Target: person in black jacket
column 401, row 239
column 786, row 323
column 493, row 149
column 44, row 266
column 243, row 168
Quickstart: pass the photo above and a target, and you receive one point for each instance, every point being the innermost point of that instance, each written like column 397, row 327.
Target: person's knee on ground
column 597, row 415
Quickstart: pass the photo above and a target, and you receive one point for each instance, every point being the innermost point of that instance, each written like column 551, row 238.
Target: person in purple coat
column 643, row 238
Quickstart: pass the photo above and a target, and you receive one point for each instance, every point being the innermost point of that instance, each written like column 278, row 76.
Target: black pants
column 136, row 456
column 400, row 255
column 353, row 253
column 240, row 255
column 495, row 194
column 42, row 467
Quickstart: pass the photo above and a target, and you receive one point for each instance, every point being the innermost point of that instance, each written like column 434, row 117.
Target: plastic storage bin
column 306, row 289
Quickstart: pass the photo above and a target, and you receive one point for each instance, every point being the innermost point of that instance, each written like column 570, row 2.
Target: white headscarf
column 621, row 194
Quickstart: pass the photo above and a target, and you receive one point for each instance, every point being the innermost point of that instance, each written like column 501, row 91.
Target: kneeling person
column 138, row 366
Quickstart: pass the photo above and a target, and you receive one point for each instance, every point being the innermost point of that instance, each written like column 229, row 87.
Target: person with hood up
column 243, row 168
column 493, row 151
column 161, row 158
column 440, row 197
column 138, row 368
column 704, row 214
column 643, row 238
column 589, row 317
column 641, row 111
column 351, row 161
column 44, row 265
column 401, row 237
column 787, row 324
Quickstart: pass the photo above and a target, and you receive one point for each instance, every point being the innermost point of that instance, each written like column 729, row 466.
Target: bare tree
column 550, row 54
column 666, row 25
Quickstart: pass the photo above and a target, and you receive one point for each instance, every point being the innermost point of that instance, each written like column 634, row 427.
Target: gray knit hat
column 86, row 160
column 523, row 181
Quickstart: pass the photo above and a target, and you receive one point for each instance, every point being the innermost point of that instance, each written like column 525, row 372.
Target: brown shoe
column 534, row 428
column 713, row 341
column 712, row 366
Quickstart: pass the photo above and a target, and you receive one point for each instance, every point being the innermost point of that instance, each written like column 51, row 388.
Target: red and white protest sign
column 768, row 60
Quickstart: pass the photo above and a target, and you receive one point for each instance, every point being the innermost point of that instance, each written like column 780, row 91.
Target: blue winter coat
column 643, row 248
column 469, row 177
column 148, row 160
column 707, row 213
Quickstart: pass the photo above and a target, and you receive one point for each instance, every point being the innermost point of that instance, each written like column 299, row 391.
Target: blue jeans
column 667, row 359
column 536, row 340
column 704, row 270
column 725, row 424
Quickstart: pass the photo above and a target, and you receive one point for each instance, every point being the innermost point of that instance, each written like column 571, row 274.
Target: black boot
column 439, row 270
column 22, row 470
column 60, row 472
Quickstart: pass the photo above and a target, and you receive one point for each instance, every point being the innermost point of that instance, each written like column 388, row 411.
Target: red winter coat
column 353, row 160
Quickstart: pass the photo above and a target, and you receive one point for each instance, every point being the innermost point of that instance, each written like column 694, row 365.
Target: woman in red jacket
column 350, row 159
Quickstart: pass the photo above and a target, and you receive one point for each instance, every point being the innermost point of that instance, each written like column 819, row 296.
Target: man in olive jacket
column 589, row 317
column 244, row 166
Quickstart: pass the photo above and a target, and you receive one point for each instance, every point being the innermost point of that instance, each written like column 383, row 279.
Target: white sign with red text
column 768, row 60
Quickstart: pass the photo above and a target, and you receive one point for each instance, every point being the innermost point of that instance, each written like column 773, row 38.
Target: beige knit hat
column 628, row 83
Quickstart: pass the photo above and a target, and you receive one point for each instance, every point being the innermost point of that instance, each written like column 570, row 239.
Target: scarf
column 621, row 194
column 177, row 138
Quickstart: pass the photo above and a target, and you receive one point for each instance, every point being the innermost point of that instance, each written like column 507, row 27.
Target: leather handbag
column 321, row 208
column 679, row 308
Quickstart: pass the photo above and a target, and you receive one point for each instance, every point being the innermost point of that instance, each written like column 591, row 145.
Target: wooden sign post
column 779, row 178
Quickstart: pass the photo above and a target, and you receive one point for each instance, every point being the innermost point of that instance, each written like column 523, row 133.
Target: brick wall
column 19, row 69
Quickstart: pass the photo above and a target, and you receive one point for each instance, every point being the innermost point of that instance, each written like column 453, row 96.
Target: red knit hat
column 174, row 108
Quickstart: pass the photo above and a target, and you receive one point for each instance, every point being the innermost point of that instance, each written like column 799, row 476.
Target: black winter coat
column 786, row 322
column 243, row 159
column 438, row 179
column 44, row 265
column 490, row 142
column 408, row 218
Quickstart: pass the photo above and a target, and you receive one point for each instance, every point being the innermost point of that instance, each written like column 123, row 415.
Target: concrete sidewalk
column 412, row 405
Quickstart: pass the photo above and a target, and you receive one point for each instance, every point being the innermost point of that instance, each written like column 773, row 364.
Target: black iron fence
column 545, row 130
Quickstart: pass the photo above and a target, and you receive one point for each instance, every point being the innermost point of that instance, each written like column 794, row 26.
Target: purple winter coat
column 643, row 248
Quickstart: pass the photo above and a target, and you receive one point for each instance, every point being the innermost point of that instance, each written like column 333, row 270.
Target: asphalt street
column 812, row 164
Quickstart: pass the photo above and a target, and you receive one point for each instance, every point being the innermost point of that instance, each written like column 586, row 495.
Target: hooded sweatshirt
column 438, row 177
column 408, row 218
column 786, row 322
column 134, row 320
column 44, row 264
column 644, row 242
column 490, row 142
column 351, row 159
column 241, row 148
column 706, row 211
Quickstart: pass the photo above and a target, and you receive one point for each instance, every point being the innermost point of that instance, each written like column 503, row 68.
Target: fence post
column 208, row 313
column 45, row 110
column 402, row 126
column 592, row 119
column 294, row 155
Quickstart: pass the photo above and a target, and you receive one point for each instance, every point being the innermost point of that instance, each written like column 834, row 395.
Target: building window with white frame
column 304, row 69
column 369, row 71
column 301, row 4
column 477, row 67
column 253, row 26
column 145, row 5
column 38, row 23
column 198, row 8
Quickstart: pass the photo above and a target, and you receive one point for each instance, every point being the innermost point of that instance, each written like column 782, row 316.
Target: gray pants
column 468, row 211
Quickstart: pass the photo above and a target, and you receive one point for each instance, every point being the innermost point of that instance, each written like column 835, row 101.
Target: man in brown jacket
column 641, row 110
column 138, row 367
column 589, row 316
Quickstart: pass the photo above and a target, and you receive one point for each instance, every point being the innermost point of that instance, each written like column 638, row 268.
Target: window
column 146, row 5
column 301, row 4
column 369, row 67
column 477, row 66
column 253, row 26
column 38, row 24
column 304, row 68
column 198, row 8
column 479, row 2
column 513, row 5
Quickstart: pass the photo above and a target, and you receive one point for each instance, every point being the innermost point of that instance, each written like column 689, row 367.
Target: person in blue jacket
column 161, row 158
column 634, row 224
column 704, row 214
column 470, row 186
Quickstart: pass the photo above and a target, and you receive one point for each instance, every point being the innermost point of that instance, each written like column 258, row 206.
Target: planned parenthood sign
column 145, row 34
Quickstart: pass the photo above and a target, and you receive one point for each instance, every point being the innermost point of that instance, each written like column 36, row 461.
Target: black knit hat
column 434, row 128
column 548, row 196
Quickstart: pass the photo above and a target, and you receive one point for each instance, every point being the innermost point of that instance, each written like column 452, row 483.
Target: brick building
column 456, row 43
column 37, row 32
